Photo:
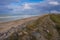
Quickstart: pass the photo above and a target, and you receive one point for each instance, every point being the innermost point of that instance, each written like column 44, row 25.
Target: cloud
column 54, row 11
column 6, row 2
column 49, row 5
column 18, row 7
column 26, row 6
column 35, row 8
column 54, row 3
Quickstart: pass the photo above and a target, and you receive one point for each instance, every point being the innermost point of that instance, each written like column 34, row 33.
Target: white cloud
column 54, row 11
column 15, row 8
column 27, row 6
column 54, row 3
column 21, row 8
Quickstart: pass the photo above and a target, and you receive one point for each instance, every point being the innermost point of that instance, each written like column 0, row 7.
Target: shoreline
column 13, row 18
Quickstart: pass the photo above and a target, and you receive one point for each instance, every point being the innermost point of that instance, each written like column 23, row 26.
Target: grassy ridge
column 56, row 18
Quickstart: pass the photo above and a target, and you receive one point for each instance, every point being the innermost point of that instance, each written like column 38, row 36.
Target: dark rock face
column 41, row 29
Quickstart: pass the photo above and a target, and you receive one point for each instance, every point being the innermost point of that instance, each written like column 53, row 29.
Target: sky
column 28, row 7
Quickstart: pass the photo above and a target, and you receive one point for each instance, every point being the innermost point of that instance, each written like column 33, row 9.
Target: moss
column 35, row 23
column 32, row 25
column 58, row 28
column 13, row 36
column 49, row 36
column 56, row 18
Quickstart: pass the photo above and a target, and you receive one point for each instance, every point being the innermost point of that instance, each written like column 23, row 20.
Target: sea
column 12, row 18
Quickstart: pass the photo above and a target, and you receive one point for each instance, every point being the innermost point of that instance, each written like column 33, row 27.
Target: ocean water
column 11, row 18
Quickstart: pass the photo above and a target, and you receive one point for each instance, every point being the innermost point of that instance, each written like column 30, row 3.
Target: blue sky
column 29, row 7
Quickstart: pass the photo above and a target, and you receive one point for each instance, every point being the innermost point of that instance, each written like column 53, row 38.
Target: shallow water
column 11, row 18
